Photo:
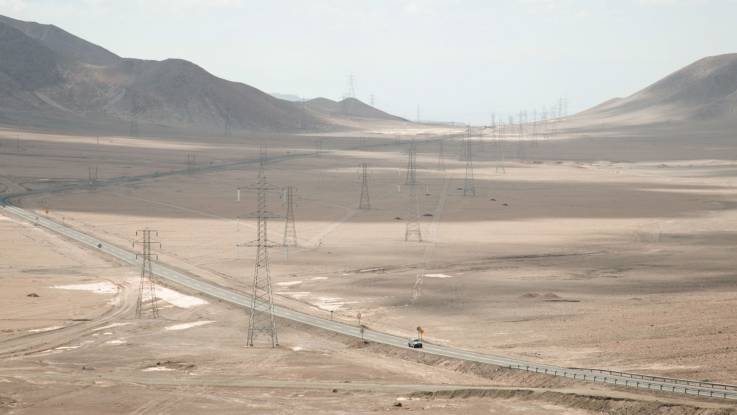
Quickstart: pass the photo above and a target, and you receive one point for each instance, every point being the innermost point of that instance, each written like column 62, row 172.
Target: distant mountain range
column 704, row 91
column 287, row 97
column 50, row 78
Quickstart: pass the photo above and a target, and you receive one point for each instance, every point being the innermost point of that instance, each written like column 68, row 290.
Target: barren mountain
column 348, row 107
column 64, row 43
column 49, row 76
column 706, row 90
column 25, row 66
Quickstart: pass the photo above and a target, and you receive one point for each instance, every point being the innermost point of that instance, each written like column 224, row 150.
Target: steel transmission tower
column 500, row 157
column 262, row 319
column 147, row 287
column 365, row 202
column 411, row 176
column 413, row 231
column 441, row 155
column 191, row 162
column 290, row 230
column 469, row 186
column 92, row 176
column 351, row 86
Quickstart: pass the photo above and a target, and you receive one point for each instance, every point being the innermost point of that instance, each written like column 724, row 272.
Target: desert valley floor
column 639, row 278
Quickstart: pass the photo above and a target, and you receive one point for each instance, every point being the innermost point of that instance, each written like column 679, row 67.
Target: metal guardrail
column 686, row 382
column 654, row 384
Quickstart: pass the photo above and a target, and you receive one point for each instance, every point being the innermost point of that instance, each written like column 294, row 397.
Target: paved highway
column 192, row 282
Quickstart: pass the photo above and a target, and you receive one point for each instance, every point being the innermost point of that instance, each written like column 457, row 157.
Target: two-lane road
column 192, row 282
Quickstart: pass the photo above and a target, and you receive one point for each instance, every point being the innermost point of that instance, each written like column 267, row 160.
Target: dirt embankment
column 596, row 404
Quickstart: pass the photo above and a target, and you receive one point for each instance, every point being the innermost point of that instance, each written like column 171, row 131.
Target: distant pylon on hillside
column 411, row 174
column 365, row 202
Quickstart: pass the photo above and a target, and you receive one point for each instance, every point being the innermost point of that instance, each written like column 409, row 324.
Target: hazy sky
column 459, row 59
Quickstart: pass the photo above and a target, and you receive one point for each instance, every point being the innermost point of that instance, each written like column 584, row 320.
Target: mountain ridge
column 61, row 76
column 705, row 90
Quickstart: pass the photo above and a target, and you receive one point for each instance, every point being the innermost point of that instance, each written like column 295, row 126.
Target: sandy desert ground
column 601, row 250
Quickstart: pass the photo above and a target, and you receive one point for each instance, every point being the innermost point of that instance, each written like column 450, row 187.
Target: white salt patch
column 185, row 326
column 158, row 369
column 104, row 287
column 109, row 326
column 297, row 349
column 107, row 333
column 288, row 283
column 66, row 347
column 332, row 303
column 178, row 299
column 115, row 342
column 319, row 278
column 438, row 276
column 44, row 329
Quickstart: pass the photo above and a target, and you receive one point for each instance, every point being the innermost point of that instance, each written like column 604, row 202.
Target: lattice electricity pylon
column 365, row 202
column 261, row 320
column 411, row 175
column 462, row 145
column 92, row 176
column 413, row 230
column 290, row 230
column 147, row 287
column 441, row 155
column 500, row 157
column 545, row 123
column 469, row 185
column 522, row 119
column 191, row 162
